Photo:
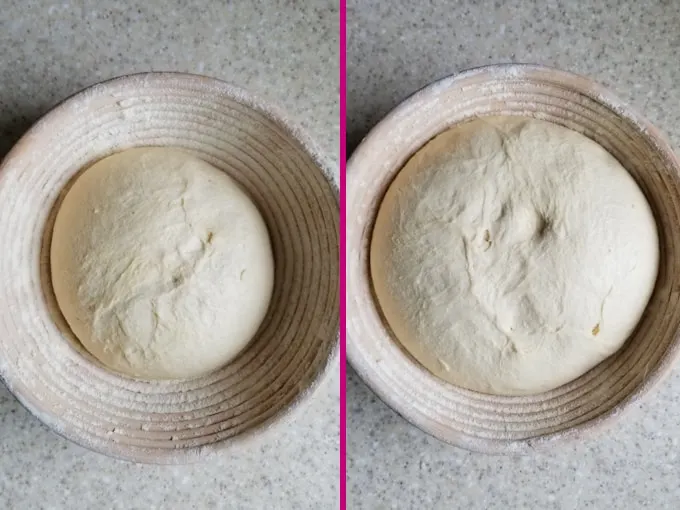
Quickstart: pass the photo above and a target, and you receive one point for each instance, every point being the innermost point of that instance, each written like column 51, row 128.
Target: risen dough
column 161, row 264
column 510, row 255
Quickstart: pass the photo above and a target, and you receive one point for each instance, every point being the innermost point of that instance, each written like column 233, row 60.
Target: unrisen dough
column 510, row 255
column 161, row 264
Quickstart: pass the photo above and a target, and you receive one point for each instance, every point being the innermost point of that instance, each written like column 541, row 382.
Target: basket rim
column 596, row 424
column 296, row 133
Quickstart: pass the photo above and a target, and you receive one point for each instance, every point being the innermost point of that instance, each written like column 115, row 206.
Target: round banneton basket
column 42, row 362
column 496, row 424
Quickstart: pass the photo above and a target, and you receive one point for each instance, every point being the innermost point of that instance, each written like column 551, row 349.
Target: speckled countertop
column 288, row 54
column 394, row 48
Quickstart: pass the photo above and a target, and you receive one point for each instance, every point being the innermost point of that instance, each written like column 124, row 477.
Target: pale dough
column 161, row 264
column 510, row 256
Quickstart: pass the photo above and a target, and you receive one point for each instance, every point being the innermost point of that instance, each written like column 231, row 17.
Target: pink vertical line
column 343, row 215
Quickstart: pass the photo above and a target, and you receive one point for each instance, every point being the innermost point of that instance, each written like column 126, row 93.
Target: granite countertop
column 283, row 52
column 394, row 48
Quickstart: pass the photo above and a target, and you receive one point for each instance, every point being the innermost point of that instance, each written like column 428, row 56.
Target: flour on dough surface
column 511, row 255
column 161, row 264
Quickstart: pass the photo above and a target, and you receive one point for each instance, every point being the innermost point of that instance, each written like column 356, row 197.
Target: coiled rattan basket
column 512, row 424
column 169, row 421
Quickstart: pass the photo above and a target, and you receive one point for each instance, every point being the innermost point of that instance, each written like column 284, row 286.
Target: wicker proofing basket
column 496, row 424
column 169, row 421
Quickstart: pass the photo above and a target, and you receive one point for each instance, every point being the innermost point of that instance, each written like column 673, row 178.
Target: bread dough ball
column 161, row 264
column 510, row 255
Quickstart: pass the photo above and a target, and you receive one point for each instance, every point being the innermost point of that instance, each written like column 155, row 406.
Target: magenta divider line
column 343, row 215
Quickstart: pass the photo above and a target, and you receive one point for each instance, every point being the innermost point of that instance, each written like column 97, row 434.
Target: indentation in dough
column 487, row 240
column 527, row 224
column 542, row 227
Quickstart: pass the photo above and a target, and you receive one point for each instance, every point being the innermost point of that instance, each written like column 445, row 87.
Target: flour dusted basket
column 44, row 365
column 498, row 424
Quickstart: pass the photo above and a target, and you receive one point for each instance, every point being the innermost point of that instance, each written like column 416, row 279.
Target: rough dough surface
column 161, row 264
column 510, row 256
